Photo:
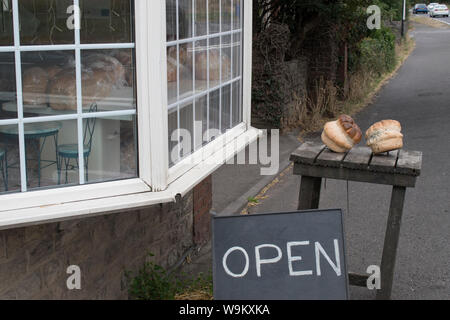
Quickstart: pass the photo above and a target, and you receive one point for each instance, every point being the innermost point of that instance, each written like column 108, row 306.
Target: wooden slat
column 307, row 153
column 358, row 158
column 329, row 158
column 409, row 162
column 392, row 179
column 384, row 162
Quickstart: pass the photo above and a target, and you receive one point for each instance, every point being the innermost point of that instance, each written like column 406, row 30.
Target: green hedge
column 377, row 52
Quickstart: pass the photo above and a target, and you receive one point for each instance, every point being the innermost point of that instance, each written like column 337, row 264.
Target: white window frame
column 156, row 182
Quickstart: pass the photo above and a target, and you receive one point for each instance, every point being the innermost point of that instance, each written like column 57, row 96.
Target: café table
column 35, row 131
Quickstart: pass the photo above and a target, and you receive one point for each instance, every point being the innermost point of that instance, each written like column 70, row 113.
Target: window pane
column 214, row 62
column 48, row 148
column 6, row 23
column 237, row 55
column 187, row 130
column 200, row 17
column 107, row 21
column 171, row 20
column 214, row 114
column 172, row 74
column 8, row 97
column 186, row 73
column 226, row 108
column 173, row 137
column 9, row 161
column 201, row 66
column 214, row 16
column 237, row 9
column 45, row 22
column 185, row 18
column 201, row 121
column 110, row 148
column 226, row 15
column 48, row 83
column 226, row 58
column 237, row 105
column 107, row 79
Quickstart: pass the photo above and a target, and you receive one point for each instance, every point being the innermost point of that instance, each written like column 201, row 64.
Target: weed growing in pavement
column 153, row 282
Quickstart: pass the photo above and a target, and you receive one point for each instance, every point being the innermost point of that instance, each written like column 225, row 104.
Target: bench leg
column 309, row 196
column 391, row 242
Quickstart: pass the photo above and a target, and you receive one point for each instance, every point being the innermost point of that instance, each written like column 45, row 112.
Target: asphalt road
column 419, row 97
column 443, row 19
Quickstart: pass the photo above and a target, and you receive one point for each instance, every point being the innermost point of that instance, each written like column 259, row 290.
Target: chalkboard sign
column 280, row 256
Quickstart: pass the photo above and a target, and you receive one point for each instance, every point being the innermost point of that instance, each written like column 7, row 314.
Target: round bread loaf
column 125, row 57
column 52, row 71
column 171, row 67
column 185, row 63
column 201, row 68
column 101, row 62
column 341, row 135
column 385, row 136
column 34, row 83
column 63, row 93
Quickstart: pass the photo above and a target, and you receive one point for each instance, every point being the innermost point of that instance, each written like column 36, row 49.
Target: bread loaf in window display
column 172, row 63
column 201, row 67
column 35, row 82
column 125, row 57
column 34, row 86
column 341, row 135
column 100, row 75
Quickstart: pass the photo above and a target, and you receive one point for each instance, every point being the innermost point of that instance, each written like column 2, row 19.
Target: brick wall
column 202, row 196
column 34, row 260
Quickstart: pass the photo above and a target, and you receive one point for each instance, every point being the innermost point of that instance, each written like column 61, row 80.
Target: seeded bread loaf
column 385, row 136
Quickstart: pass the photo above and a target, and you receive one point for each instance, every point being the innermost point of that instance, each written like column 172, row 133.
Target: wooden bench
column 314, row 162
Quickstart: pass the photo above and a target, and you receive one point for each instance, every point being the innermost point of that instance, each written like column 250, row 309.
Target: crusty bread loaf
column 34, row 83
column 100, row 74
column 52, row 71
column 125, row 57
column 62, row 91
column 172, row 63
column 95, row 86
column 385, row 136
column 341, row 135
column 201, row 68
column 171, row 68
column 101, row 62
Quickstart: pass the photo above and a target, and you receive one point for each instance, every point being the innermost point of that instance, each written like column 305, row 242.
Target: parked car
column 432, row 5
column 439, row 10
column 420, row 8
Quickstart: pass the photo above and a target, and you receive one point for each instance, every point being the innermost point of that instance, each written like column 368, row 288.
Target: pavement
column 418, row 96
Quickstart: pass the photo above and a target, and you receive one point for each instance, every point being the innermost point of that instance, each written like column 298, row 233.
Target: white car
column 432, row 5
column 439, row 10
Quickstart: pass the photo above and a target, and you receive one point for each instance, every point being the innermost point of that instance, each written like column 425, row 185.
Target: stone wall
column 34, row 260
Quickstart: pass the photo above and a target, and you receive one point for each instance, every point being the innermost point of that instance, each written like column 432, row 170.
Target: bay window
column 118, row 98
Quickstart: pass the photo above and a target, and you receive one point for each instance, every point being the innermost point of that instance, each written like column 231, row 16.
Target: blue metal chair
column 4, row 167
column 68, row 152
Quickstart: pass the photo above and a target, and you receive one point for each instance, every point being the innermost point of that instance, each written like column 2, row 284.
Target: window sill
column 49, row 206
